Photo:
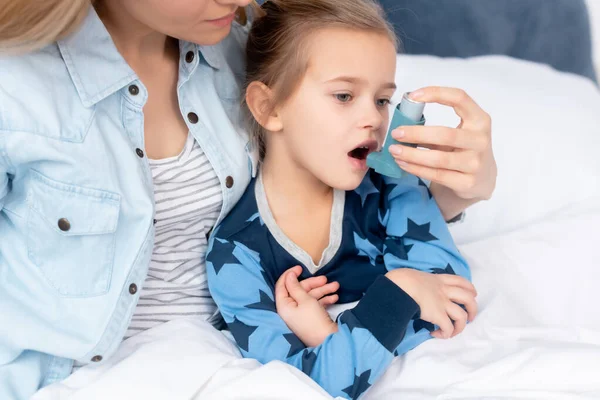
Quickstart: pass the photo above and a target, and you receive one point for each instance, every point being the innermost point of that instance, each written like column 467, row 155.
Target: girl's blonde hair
column 276, row 49
column 31, row 24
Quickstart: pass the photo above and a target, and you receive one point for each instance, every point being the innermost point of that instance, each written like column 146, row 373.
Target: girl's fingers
column 446, row 327
column 322, row 291
column 313, row 282
column 294, row 289
column 466, row 298
column 455, row 280
column 459, row 316
column 329, row 300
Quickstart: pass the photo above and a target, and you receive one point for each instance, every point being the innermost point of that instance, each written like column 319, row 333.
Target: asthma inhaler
column 408, row 112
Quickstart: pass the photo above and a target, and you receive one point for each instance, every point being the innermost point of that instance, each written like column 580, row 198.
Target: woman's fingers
column 461, row 161
column 464, row 106
column 440, row 136
column 454, row 180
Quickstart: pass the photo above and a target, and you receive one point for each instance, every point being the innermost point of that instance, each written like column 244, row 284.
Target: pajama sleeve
column 417, row 235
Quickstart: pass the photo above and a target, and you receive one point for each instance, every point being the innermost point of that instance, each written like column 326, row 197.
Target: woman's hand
column 461, row 158
column 302, row 312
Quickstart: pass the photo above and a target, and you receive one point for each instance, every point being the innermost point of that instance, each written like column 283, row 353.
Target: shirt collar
column 96, row 66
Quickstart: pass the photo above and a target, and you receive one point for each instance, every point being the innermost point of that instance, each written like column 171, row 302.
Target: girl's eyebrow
column 359, row 81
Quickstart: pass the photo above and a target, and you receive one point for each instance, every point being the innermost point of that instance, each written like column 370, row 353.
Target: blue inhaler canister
column 408, row 112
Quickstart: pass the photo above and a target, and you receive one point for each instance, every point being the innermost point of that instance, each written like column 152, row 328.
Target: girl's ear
column 259, row 99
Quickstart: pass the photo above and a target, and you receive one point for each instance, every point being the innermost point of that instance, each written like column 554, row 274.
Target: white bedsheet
column 537, row 336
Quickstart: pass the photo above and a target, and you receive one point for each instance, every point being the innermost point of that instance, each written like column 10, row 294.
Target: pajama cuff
column 385, row 310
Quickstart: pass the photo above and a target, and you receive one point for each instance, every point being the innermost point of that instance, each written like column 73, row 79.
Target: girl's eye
column 343, row 97
column 383, row 102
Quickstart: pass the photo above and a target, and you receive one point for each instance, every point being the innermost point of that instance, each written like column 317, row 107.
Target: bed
column 533, row 250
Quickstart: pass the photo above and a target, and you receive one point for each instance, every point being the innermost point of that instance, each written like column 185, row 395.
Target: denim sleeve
column 21, row 376
column 20, row 371
column 4, row 166
column 347, row 362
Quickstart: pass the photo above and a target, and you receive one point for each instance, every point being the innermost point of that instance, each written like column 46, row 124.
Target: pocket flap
column 86, row 211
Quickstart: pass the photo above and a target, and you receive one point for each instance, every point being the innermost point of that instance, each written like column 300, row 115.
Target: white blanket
column 537, row 336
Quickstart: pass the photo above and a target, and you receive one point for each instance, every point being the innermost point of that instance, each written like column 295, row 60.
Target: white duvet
column 537, row 335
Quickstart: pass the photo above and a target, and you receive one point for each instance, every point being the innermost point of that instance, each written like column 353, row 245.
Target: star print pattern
column 359, row 386
column 265, row 303
column 365, row 189
column 419, row 232
column 448, row 270
column 387, row 224
column 296, row 345
column 241, row 332
column 395, row 245
column 308, row 361
column 366, row 248
column 224, row 248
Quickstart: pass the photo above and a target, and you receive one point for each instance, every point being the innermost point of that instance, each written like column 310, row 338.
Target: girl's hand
column 438, row 297
column 460, row 158
column 303, row 314
column 318, row 288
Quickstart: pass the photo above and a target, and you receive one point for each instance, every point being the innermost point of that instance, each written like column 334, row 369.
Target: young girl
column 319, row 95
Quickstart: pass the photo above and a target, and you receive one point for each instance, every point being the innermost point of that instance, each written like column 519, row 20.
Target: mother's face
column 204, row 22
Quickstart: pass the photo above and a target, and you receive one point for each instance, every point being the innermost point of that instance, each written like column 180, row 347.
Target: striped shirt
column 188, row 201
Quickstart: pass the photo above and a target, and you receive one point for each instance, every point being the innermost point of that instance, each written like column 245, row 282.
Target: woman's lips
column 224, row 21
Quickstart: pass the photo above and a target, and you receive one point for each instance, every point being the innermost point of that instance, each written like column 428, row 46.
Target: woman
column 120, row 149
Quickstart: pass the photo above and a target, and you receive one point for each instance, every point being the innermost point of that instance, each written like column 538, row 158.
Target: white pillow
column 546, row 135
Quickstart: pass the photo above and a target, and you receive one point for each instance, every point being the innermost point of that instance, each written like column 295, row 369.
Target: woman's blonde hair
column 31, row 24
column 276, row 48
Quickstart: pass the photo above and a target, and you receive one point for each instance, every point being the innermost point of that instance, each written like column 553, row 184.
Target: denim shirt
column 76, row 195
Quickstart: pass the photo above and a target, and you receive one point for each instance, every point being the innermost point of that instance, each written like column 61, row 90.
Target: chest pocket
column 71, row 235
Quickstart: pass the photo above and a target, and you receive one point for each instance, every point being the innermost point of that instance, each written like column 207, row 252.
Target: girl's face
column 339, row 113
column 204, row 22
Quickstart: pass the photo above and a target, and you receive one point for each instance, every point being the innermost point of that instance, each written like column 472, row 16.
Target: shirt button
column 96, row 358
column 193, row 118
column 64, row 224
column 140, row 153
column 134, row 90
column 229, row 182
column 133, row 288
column 189, row 57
